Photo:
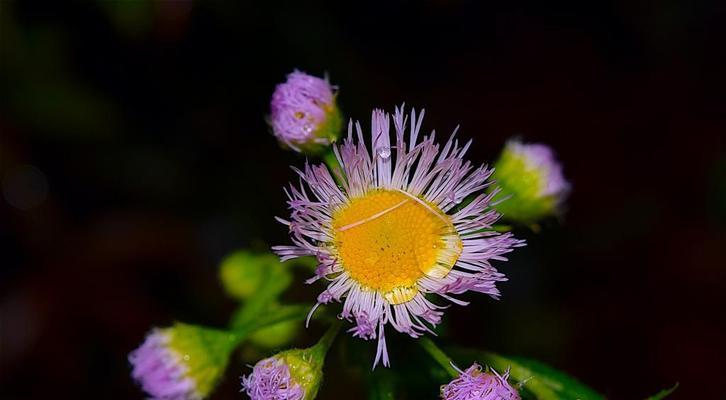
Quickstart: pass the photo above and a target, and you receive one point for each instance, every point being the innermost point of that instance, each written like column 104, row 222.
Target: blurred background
column 134, row 155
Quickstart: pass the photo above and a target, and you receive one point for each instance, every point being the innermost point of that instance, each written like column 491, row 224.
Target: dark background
column 134, row 155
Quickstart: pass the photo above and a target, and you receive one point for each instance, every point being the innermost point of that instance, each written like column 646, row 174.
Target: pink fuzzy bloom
column 160, row 371
column 299, row 109
column 473, row 384
column 270, row 380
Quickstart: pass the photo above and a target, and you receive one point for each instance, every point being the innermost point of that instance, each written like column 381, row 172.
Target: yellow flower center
column 387, row 240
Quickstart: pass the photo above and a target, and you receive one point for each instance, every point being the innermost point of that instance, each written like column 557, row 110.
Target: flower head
column 533, row 177
column 182, row 362
column 408, row 219
column 290, row 375
column 474, row 384
column 303, row 113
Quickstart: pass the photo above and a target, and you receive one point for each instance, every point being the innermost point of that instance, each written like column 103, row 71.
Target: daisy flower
column 399, row 222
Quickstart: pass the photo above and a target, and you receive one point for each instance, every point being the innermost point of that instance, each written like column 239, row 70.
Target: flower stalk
column 439, row 356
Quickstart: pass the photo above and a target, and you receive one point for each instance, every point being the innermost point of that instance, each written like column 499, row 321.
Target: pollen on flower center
column 387, row 240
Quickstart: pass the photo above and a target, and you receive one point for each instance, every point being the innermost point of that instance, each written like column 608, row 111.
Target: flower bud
column 531, row 175
column 303, row 113
column 244, row 273
column 474, row 384
column 181, row 362
column 292, row 374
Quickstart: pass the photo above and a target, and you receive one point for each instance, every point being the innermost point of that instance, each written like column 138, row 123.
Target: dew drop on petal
column 452, row 196
column 384, row 152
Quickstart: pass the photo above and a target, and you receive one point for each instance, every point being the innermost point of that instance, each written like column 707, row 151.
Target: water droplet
column 307, row 128
column 384, row 152
column 452, row 196
column 186, row 357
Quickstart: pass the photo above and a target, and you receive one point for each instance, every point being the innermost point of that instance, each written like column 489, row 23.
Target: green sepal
column 306, row 365
column 204, row 351
column 306, row 369
column 330, row 129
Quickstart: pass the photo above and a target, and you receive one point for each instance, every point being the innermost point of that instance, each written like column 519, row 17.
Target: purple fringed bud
column 292, row 374
column 160, row 370
column 271, row 380
column 474, row 384
column 303, row 113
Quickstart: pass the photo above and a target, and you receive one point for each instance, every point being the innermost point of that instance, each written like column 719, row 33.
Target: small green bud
column 532, row 177
column 244, row 273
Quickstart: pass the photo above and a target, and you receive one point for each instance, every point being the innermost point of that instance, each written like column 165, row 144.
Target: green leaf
column 663, row 393
column 542, row 381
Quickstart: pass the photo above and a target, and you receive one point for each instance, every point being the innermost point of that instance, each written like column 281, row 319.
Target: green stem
column 323, row 345
column 281, row 314
column 439, row 356
column 333, row 165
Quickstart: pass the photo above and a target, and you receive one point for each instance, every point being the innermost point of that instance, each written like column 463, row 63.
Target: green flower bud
column 244, row 274
column 532, row 177
column 183, row 361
